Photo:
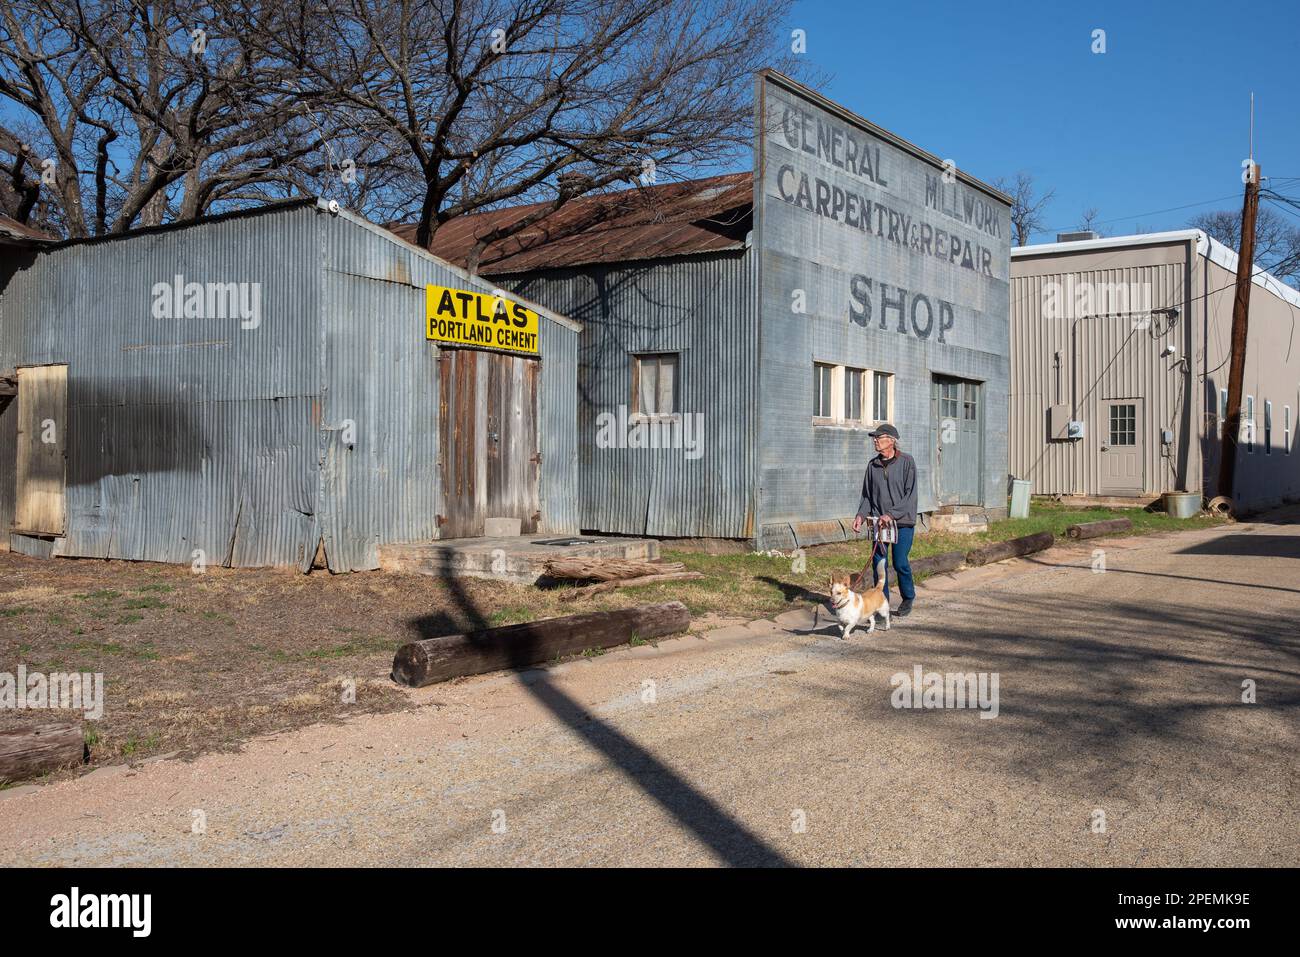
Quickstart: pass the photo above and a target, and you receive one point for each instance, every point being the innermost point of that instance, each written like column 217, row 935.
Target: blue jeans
column 901, row 566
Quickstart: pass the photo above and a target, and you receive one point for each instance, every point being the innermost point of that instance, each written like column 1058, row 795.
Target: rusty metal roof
column 16, row 233
column 645, row 222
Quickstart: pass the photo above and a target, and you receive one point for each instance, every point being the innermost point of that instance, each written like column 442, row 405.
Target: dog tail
column 881, row 572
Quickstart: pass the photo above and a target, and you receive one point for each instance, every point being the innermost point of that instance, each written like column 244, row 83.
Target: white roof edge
column 358, row 220
column 1206, row 246
column 1109, row 242
column 1224, row 256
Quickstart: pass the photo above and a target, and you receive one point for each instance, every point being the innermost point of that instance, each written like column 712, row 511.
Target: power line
column 1120, row 219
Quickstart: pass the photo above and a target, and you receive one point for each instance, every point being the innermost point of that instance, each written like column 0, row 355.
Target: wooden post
column 1104, row 527
column 27, row 750
column 1011, row 548
column 430, row 660
column 1240, row 328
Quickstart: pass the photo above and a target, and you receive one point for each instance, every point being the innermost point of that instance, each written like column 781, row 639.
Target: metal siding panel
column 184, row 434
column 382, row 376
column 810, row 473
column 1103, row 356
column 703, row 308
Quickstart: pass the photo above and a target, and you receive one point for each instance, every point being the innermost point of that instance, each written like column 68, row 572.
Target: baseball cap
column 885, row 429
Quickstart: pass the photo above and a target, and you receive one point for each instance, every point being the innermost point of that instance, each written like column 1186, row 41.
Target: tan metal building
column 1119, row 370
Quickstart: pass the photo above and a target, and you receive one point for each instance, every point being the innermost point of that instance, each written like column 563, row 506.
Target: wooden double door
column 488, row 440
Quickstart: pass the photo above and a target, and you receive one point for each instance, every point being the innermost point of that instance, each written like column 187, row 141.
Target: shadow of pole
column 731, row 841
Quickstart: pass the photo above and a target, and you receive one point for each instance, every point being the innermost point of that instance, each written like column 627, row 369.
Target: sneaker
column 904, row 609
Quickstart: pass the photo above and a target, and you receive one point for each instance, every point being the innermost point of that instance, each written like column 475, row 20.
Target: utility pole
column 1240, row 320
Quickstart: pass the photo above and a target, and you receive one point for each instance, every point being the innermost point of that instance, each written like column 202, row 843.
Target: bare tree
column 1027, row 207
column 1089, row 221
column 492, row 102
column 138, row 112
column 1277, row 241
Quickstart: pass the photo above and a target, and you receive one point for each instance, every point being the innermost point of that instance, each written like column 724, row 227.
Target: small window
column 1248, row 423
column 822, row 375
column 969, row 402
column 1268, row 427
column 1286, row 429
column 854, row 410
column 654, row 384
column 882, row 406
column 949, row 400
column 1123, row 425
column 1223, row 408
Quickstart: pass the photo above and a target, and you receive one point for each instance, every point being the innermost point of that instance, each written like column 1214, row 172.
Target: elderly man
column 889, row 490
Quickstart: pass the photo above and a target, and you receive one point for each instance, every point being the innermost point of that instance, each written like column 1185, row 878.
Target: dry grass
column 199, row 662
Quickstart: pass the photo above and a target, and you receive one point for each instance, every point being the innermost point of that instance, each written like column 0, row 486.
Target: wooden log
column 930, row 565
column 1011, row 548
column 1104, row 527
column 608, row 569
column 27, row 750
column 430, row 660
column 585, row 591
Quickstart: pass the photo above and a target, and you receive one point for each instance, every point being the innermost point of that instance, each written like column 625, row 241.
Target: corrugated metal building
column 767, row 321
column 1129, row 339
column 254, row 387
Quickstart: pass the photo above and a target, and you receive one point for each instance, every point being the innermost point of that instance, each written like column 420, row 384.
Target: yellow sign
column 479, row 319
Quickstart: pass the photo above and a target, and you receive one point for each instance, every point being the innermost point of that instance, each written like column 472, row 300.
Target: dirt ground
column 193, row 663
column 202, row 662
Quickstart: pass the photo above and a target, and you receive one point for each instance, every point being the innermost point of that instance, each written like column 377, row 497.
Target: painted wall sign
column 471, row 318
column 873, row 255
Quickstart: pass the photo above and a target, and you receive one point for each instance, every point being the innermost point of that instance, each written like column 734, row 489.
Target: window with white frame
column 855, row 398
column 1248, row 423
column 823, row 383
column 1286, row 429
column 1268, row 427
column 882, row 399
column 843, row 395
column 654, row 384
column 1223, row 409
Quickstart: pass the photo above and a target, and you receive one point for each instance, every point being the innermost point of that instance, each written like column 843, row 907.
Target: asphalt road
column 1121, row 738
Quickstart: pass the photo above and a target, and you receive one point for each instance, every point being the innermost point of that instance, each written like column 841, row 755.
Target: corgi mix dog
column 851, row 606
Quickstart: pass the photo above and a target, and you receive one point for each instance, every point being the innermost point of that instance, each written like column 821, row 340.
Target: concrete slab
column 506, row 558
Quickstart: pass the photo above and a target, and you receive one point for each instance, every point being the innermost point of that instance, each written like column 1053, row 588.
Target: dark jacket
column 889, row 488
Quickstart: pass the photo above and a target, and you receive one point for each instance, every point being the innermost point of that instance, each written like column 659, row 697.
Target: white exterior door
column 1121, row 435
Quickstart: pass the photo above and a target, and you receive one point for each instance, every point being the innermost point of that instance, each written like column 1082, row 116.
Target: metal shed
column 1119, row 376
column 851, row 278
column 257, row 387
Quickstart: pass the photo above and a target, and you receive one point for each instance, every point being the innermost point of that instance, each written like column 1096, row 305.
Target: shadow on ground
column 733, row 843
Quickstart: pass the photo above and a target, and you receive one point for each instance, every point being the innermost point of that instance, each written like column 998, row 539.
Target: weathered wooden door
column 487, row 430
column 512, row 458
column 957, row 430
column 40, row 502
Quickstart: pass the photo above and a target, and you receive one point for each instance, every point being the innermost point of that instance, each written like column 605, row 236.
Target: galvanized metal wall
column 704, row 309
column 1074, row 342
column 192, row 438
column 382, row 392
column 187, row 438
column 825, row 261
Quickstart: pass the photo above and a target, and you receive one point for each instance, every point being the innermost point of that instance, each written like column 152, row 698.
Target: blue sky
column 1160, row 120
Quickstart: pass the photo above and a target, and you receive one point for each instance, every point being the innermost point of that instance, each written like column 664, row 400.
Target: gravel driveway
column 1121, row 738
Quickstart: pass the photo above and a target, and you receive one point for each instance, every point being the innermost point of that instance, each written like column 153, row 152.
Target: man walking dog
column 889, row 490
